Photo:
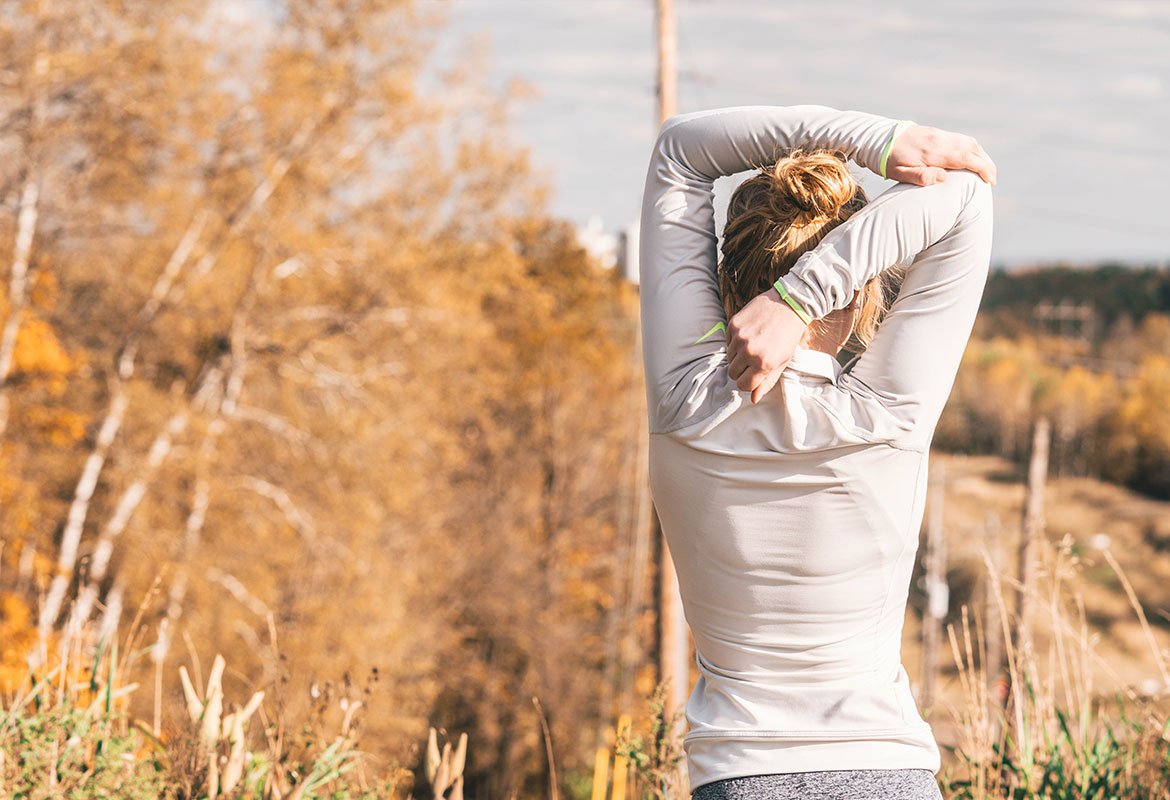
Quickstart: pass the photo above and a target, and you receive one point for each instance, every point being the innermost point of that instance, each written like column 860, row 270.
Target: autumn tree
column 293, row 356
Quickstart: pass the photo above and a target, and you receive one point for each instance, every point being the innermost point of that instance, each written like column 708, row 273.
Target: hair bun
column 819, row 183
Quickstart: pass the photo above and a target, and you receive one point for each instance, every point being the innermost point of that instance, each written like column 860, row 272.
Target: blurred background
column 318, row 352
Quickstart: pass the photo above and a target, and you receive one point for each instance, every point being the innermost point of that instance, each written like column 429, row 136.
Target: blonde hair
column 778, row 215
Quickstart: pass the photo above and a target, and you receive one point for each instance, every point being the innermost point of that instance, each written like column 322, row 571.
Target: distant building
column 601, row 246
column 610, row 250
column 628, row 252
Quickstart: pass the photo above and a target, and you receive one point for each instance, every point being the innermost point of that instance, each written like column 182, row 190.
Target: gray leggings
column 849, row 784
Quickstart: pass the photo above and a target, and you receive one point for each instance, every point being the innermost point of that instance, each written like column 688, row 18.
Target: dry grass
column 67, row 731
column 1079, row 711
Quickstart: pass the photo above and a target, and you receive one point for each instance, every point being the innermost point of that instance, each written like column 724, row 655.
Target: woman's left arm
column 679, row 291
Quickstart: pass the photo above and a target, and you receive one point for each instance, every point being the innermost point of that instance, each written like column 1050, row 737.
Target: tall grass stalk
column 67, row 731
column 1052, row 734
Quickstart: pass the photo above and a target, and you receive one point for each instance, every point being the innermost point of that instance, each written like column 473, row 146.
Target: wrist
column 778, row 293
column 899, row 129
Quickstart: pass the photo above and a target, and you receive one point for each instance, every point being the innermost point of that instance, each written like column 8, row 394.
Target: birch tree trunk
column 26, row 224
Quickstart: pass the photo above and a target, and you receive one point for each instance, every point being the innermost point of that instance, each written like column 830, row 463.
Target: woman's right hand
column 761, row 339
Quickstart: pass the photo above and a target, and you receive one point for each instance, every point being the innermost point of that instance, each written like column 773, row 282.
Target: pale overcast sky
column 1071, row 98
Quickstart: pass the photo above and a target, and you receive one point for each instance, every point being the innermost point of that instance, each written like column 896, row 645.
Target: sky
column 1071, row 98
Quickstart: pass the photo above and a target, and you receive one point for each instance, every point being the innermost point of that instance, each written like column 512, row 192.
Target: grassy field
column 983, row 508
column 1081, row 714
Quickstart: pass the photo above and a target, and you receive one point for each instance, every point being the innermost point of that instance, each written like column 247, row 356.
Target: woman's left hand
column 922, row 155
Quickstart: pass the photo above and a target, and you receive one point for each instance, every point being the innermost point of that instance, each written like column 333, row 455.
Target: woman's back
column 794, row 541
column 793, row 523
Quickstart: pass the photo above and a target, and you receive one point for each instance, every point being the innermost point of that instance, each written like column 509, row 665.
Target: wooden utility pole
column 1030, row 534
column 937, row 589
column 667, row 71
column 992, row 619
column 673, row 644
column 993, row 629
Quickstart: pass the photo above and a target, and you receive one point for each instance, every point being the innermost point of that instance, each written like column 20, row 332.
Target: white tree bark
column 159, row 292
column 127, row 504
column 166, row 288
column 26, row 224
column 78, row 510
column 225, row 409
column 108, row 625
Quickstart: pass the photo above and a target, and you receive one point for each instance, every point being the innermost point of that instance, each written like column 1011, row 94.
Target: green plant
column 1051, row 736
column 67, row 733
column 658, row 756
column 66, row 736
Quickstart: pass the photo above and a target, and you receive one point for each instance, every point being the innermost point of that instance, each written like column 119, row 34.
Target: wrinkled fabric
column 793, row 523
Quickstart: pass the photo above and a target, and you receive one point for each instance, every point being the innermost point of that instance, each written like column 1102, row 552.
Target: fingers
column 749, row 379
column 990, row 172
column 919, row 176
column 977, row 161
column 921, row 156
column 749, row 375
column 752, row 378
column 981, row 165
column 737, row 366
column 734, row 345
column 766, row 383
column 933, row 175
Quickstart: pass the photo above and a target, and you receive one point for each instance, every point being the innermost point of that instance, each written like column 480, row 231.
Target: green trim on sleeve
column 899, row 129
column 805, row 317
column 718, row 326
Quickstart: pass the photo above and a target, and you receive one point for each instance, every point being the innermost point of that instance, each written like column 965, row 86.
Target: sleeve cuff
column 899, row 129
column 795, row 304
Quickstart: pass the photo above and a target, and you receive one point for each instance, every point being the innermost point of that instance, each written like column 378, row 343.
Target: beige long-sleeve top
column 794, row 523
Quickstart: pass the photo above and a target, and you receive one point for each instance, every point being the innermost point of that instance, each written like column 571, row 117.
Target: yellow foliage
column 19, row 502
column 18, row 635
column 56, row 426
column 43, row 288
column 38, row 350
column 1144, row 411
column 1155, row 334
column 1083, row 397
column 645, row 680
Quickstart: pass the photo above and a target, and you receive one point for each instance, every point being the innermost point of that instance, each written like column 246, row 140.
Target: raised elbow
column 976, row 191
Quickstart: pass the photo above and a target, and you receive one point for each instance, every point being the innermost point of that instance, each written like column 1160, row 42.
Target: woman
column 792, row 515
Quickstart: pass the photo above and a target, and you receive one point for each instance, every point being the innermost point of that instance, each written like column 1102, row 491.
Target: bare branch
column 299, row 520
column 240, row 592
column 112, row 613
column 275, row 424
column 158, row 293
column 201, row 496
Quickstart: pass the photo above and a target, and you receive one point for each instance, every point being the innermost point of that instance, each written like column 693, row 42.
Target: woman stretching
column 792, row 513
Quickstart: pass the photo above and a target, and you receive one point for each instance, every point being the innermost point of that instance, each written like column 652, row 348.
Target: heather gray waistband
column 851, row 784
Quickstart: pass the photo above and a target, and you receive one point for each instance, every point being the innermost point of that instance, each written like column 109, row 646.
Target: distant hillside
column 1113, row 290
